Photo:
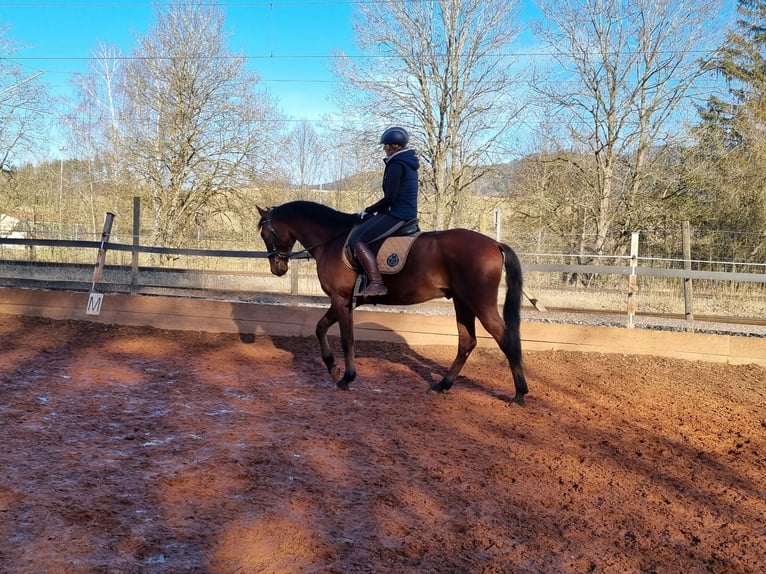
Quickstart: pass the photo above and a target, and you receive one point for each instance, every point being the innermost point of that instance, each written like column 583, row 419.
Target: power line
column 271, row 56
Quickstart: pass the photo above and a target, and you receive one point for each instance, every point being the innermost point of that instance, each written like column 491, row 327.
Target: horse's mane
column 317, row 212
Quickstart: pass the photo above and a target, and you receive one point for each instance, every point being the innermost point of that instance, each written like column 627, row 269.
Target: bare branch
column 442, row 69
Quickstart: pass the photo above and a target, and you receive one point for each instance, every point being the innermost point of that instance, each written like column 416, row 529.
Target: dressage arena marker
column 95, row 299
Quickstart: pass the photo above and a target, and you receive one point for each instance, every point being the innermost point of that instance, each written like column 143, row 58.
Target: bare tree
column 93, row 131
column 98, row 106
column 23, row 104
column 442, row 69
column 349, row 165
column 620, row 74
column 304, row 155
column 192, row 124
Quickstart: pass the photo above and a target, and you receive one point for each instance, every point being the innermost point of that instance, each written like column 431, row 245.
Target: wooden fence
column 136, row 279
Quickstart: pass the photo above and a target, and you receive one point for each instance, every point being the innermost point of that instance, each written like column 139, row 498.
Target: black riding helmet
column 395, row 135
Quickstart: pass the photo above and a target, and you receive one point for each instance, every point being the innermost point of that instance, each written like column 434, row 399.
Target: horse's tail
column 512, row 316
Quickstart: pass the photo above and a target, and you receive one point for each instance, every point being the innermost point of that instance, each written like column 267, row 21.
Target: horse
column 458, row 264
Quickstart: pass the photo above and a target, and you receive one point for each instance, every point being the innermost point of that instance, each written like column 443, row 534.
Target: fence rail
column 626, row 269
column 137, row 279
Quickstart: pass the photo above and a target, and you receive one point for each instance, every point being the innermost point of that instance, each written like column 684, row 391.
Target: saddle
column 390, row 252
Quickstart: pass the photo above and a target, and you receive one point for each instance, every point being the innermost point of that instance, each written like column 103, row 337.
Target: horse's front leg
column 342, row 314
column 345, row 316
column 324, row 324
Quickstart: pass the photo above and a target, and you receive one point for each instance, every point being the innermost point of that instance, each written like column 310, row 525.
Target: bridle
column 271, row 240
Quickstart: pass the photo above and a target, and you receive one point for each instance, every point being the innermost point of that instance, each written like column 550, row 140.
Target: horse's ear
column 262, row 211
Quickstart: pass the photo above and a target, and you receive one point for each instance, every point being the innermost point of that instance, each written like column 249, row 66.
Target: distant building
column 8, row 227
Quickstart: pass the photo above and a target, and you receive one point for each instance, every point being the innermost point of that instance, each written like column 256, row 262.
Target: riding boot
column 367, row 258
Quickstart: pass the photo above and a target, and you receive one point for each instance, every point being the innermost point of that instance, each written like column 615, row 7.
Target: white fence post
column 688, row 293
column 632, row 279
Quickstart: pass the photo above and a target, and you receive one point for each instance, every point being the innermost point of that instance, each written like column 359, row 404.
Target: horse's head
column 278, row 239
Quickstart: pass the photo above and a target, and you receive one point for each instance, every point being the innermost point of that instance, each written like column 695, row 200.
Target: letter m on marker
column 94, row 304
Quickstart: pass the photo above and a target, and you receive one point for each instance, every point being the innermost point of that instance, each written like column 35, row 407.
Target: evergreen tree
column 728, row 164
column 740, row 61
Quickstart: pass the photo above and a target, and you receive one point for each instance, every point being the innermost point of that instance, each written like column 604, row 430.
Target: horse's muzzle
column 278, row 266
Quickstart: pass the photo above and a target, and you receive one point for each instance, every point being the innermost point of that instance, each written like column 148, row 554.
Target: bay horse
column 457, row 264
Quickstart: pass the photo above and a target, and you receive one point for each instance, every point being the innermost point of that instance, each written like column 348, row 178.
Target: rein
column 287, row 255
column 272, row 245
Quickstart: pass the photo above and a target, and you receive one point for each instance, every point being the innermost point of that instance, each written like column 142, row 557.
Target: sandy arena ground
column 128, row 450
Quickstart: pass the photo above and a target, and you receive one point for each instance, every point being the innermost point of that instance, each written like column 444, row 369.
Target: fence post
column 294, row 276
column 688, row 293
column 136, row 242
column 632, row 282
column 94, row 298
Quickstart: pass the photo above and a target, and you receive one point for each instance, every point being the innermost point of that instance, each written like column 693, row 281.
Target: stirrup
column 381, row 286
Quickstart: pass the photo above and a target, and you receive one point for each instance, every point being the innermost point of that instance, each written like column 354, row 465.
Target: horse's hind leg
column 508, row 338
column 324, row 324
column 466, row 330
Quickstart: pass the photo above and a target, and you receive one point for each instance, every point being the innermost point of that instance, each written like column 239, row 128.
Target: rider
column 398, row 205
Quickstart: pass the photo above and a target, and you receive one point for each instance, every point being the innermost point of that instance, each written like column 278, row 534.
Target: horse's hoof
column 335, row 373
column 518, row 400
column 342, row 385
column 440, row 388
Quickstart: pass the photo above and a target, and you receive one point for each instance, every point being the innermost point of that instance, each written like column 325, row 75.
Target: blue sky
column 288, row 42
